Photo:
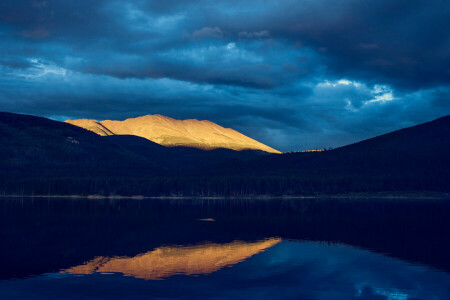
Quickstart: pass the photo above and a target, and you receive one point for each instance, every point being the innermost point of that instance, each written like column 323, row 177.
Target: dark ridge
column 41, row 156
column 178, row 158
column 430, row 135
column 411, row 159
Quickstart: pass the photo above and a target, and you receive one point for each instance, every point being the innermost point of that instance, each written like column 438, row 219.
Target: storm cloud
column 293, row 74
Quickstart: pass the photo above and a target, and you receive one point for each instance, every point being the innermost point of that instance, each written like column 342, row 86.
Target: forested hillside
column 40, row 156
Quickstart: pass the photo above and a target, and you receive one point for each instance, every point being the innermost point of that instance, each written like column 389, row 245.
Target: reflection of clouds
column 290, row 270
column 322, row 271
column 364, row 290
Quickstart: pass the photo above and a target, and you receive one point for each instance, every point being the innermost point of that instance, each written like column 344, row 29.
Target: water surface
column 59, row 248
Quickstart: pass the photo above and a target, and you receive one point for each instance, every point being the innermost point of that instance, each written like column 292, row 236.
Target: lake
column 66, row 248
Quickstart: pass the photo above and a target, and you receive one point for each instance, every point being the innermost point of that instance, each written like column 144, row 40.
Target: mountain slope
column 179, row 157
column 411, row 159
column 41, row 156
column 413, row 146
column 26, row 139
column 170, row 132
column 429, row 136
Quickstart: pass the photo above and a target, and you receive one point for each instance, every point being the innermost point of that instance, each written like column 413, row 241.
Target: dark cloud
column 15, row 63
column 208, row 32
column 293, row 74
column 401, row 42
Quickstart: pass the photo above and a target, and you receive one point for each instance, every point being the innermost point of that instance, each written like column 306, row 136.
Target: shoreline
column 430, row 196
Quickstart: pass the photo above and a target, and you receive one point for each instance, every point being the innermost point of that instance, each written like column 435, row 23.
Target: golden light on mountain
column 170, row 132
column 168, row 261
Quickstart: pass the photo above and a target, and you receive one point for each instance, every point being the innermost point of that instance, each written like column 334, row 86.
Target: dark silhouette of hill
column 41, row 156
column 411, row 159
column 411, row 147
column 179, row 157
column 28, row 140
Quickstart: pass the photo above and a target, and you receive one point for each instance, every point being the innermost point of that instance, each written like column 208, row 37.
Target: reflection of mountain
column 170, row 132
column 168, row 261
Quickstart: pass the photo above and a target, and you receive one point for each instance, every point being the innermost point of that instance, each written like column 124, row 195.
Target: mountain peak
column 171, row 132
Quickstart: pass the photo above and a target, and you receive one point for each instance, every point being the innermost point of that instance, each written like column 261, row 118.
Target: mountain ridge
column 43, row 157
column 166, row 131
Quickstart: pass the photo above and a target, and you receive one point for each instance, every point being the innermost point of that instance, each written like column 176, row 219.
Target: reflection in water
column 207, row 220
column 168, row 261
column 290, row 270
column 327, row 249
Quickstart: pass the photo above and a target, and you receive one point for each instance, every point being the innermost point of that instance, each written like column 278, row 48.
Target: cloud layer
column 293, row 74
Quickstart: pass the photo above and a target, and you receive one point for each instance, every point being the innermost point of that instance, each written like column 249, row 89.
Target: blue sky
column 293, row 74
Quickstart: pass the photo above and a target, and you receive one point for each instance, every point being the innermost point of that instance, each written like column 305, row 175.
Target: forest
column 44, row 157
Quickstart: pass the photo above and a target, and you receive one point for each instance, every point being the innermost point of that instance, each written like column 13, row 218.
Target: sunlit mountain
column 170, row 132
column 41, row 156
column 168, row 261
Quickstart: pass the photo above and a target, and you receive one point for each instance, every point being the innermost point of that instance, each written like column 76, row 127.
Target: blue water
column 246, row 249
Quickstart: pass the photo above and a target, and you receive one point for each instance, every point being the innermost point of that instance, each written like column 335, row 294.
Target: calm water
column 224, row 249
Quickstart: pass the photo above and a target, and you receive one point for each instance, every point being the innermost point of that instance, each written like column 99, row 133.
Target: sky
column 296, row 75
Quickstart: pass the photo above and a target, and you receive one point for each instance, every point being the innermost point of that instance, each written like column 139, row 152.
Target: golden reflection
column 168, row 261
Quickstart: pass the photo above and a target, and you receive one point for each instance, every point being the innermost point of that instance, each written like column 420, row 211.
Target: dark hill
column 41, row 156
column 420, row 144
column 411, row 159
column 180, row 157
column 430, row 136
column 30, row 140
